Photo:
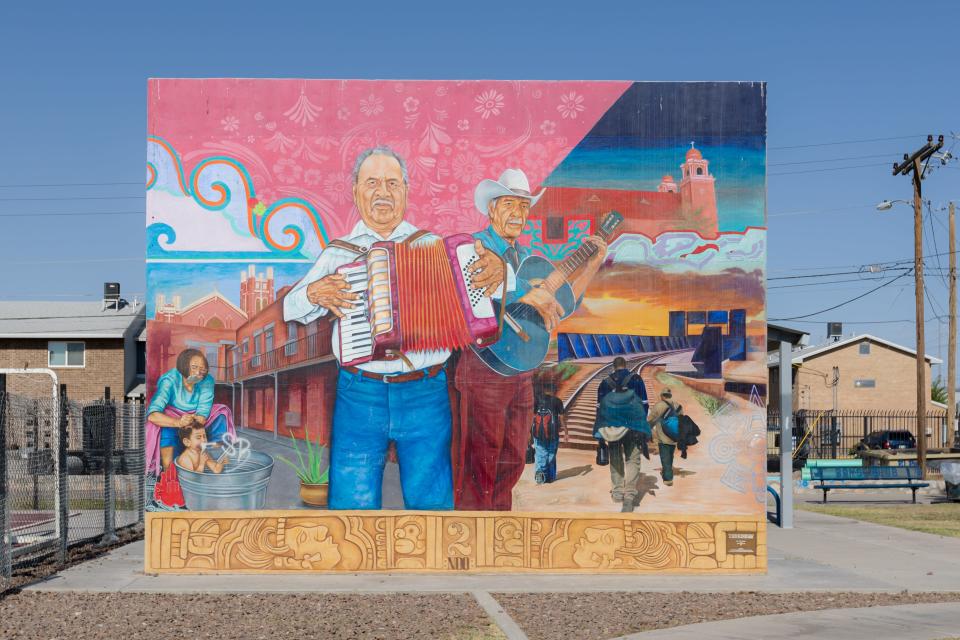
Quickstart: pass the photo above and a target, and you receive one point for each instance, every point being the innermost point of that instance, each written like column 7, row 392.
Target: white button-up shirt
column 296, row 306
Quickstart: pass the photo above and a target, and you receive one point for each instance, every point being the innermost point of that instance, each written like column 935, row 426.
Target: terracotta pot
column 314, row 495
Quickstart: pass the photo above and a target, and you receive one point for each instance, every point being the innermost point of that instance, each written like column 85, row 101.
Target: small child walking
column 548, row 420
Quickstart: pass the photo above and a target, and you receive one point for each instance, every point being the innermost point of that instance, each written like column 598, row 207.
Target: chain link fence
column 71, row 473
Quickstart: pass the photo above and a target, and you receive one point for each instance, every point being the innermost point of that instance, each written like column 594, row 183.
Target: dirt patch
column 135, row 616
column 47, row 565
column 597, row 616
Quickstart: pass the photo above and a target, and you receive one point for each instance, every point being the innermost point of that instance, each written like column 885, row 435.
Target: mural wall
column 541, row 303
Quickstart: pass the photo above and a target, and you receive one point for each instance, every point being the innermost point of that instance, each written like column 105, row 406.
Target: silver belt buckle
column 388, row 376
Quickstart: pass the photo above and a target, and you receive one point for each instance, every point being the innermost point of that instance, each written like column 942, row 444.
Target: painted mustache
column 382, row 201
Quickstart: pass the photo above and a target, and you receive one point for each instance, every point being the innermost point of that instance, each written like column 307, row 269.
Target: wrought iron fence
column 844, row 434
column 70, row 473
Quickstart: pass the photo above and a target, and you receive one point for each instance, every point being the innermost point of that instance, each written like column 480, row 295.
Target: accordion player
column 414, row 297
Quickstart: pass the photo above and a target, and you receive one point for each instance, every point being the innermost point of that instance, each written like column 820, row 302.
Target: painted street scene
column 479, row 321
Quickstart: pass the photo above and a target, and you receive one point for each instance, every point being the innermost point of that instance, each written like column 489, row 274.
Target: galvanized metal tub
column 242, row 487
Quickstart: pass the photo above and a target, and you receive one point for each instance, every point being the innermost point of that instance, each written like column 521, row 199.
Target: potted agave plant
column 314, row 483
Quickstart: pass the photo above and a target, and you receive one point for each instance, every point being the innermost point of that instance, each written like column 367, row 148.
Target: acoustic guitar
column 524, row 341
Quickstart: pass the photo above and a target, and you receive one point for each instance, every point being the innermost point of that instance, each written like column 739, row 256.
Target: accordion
column 414, row 297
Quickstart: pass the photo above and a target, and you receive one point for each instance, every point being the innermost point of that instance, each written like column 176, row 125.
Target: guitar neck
column 575, row 260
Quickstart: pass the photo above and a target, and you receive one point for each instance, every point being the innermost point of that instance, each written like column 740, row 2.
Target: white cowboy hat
column 512, row 182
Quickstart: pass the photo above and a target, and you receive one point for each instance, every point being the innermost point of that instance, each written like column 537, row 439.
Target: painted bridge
column 596, row 345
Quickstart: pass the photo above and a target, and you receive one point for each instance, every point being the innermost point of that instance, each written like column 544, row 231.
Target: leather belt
column 392, row 378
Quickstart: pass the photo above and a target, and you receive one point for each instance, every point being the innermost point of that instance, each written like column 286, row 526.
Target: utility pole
column 952, row 354
column 916, row 164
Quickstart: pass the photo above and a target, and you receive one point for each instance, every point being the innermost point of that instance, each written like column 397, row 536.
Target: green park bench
column 906, row 477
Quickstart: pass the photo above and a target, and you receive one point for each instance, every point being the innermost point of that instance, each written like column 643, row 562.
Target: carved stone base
column 483, row 542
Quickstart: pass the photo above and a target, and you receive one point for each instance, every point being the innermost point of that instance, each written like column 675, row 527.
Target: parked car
column 890, row 439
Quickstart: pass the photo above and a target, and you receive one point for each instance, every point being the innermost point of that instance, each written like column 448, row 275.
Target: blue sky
column 74, row 111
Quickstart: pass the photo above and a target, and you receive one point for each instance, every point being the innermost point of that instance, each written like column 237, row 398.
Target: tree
column 938, row 391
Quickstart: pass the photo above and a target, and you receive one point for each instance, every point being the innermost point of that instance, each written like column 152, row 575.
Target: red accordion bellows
column 431, row 315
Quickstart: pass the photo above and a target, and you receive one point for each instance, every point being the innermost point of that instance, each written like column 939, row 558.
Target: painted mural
column 538, row 302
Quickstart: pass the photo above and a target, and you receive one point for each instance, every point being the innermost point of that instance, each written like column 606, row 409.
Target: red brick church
column 689, row 206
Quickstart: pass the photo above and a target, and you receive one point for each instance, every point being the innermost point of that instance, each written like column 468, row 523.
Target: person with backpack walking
column 548, row 420
column 622, row 427
column 665, row 418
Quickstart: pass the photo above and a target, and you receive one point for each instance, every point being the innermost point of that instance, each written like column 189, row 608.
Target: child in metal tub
column 195, row 457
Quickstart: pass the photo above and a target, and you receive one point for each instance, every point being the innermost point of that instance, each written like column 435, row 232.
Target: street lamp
column 886, row 205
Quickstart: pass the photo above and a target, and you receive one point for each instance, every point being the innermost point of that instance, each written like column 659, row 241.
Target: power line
column 885, row 284
column 829, row 144
column 71, row 184
column 783, row 164
column 856, row 166
column 820, row 284
column 818, row 275
column 140, row 197
column 72, row 213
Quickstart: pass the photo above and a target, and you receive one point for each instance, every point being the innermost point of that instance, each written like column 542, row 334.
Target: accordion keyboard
column 356, row 340
column 479, row 303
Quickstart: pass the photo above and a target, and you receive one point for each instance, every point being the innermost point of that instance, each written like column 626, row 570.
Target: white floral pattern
column 303, row 111
column 337, row 187
column 371, row 106
column 287, row 170
column 489, row 103
column 463, row 125
column 570, row 105
column 230, row 124
column 343, row 113
column 548, row 127
column 467, row 168
column 411, row 104
column 280, row 142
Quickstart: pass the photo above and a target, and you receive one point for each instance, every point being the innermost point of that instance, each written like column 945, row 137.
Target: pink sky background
column 300, row 138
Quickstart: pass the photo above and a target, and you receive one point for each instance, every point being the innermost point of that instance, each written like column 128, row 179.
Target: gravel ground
column 47, row 565
column 543, row 616
column 598, row 616
column 135, row 616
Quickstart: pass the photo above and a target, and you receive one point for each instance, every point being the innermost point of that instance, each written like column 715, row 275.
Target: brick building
column 274, row 375
column 871, row 373
column 689, row 206
column 89, row 345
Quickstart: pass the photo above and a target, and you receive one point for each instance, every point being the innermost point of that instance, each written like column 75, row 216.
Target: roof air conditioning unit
column 834, row 331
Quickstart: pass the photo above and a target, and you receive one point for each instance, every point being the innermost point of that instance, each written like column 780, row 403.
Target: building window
column 255, row 360
column 293, row 333
column 699, row 171
column 864, row 348
column 66, row 354
column 268, row 338
column 864, row 383
column 555, row 228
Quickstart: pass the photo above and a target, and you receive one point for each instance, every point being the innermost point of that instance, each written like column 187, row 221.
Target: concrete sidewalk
column 916, row 622
column 823, row 553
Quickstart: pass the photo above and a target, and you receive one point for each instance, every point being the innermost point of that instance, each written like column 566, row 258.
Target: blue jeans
column 545, row 457
column 170, row 436
column 369, row 414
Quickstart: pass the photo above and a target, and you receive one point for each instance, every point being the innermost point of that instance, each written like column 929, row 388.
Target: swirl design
column 289, row 218
column 290, row 226
column 223, row 177
column 165, row 165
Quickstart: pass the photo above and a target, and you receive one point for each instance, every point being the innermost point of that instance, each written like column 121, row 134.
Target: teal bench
column 907, row 477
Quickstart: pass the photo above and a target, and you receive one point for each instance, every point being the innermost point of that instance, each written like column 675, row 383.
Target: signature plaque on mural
column 455, row 325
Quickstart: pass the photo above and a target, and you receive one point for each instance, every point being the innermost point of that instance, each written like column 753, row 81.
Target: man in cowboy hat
column 496, row 411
